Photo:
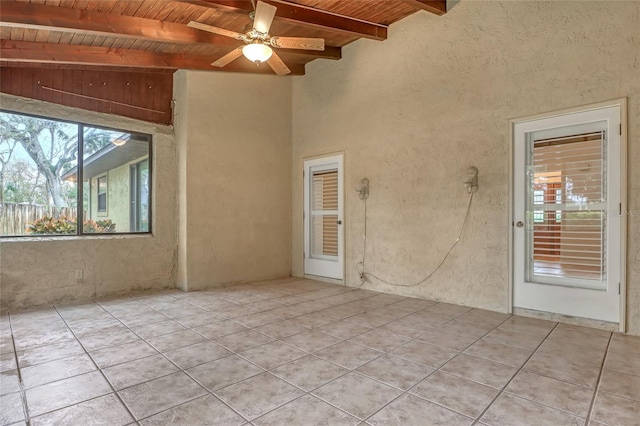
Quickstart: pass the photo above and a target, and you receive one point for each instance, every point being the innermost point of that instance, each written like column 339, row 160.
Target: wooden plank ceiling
column 152, row 36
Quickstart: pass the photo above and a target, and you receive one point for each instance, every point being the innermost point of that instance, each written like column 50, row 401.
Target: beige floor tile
column 424, row 353
column 55, row 370
column 369, row 320
column 8, row 362
column 428, row 318
column 314, row 320
column 281, row 329
column 511, row 410
column 9, row 382
column 307, row 411
column 348, row 355
column 625, row 344
column 114, row 355
column 169, row 342
column 512, row 338
column 623, row 363
column 311, row 341
column 381, row 340
column 64, row 393
column 197, row 320
column 532, row 326
column 104, row 340
column 448, row 309
column 203, row 411
column 343, row 329
column 562, row 369
column 265, row 305
column 481, row 316
column 620, row 384
column 394, row 371
column 309, row 372
column 42, row 354
column 480, row 370
column 498, row 352
column 258, row 395
column 357, row 395
column 158, row 329
column 613, row 410
column 33, row 339
column 581, row 329
column 447, row 339
column 551, row 392
column 272, row 355
column 219, row 329
column 406, row 327
column 137, row 319
column 256, row 319
column 234, row 311
column 104, row 410
column 223, row 372
column 160, row 394
column 11, row 409
column 199, row 353
column 243, row 340
column 458, row 394
column 579, row 355
column 141, row 370
column 566, row 335
column 409, row 410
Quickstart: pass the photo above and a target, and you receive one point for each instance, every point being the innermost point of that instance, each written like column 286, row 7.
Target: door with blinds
column 323, row 230
column 567, row 214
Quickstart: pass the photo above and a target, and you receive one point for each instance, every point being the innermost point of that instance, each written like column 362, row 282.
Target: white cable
column 365, row 274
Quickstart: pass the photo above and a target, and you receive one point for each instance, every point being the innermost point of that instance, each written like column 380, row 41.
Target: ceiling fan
column 258, row 42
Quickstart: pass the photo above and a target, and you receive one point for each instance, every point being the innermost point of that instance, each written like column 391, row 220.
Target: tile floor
column 300, row 352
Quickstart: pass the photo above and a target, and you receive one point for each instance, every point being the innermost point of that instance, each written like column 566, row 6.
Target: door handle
column 520, row 224
column 339, row 222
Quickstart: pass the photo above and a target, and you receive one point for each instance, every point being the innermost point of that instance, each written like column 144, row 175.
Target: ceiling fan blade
column 215, row 30
column 304, row 43
column 264, row 17
column 229, row 57
column 277, row 65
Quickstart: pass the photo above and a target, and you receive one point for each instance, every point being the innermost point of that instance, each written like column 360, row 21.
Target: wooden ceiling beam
column 26, row 51
column 53, row 18
column 306, row 16
column 439, row 7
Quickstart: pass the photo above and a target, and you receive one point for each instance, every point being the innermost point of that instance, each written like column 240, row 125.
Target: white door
column 567, row 214
column 323, row 230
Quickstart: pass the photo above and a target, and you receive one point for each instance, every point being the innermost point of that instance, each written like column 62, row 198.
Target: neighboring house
column 116, row 185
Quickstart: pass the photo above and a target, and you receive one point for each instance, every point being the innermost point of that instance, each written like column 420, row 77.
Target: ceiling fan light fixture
column 257, row 52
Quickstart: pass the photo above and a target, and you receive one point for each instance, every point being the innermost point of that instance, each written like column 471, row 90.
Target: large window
column 56, row 174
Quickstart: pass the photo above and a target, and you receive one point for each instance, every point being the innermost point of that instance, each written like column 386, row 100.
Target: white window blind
column 324, row 213
column 567, row 208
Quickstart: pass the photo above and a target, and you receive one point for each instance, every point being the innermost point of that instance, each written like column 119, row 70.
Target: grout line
column 513, row 377
column 600, row 374
column 97, row 367
column 23, row 394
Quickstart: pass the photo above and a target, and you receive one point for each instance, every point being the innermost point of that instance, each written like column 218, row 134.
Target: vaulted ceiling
column 151, row 37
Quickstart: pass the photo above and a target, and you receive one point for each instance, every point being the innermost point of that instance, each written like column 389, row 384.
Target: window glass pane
column 38, row 191
column 117, row 199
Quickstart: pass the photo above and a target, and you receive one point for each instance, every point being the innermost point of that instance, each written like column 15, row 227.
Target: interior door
column 567, row 214
column 323, row 215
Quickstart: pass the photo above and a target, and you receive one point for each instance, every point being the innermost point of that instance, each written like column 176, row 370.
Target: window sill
column 48, row 238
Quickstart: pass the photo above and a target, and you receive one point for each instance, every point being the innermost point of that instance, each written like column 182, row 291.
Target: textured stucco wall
column 413, row 112
column 234, row 147
column 38, row 271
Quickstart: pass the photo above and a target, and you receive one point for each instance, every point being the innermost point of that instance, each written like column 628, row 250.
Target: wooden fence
column 14, row 218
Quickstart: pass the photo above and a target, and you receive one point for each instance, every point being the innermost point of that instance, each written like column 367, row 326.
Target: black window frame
column 80, row 187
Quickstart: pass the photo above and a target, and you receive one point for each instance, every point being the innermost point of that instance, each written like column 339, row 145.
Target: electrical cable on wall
column 471, row 182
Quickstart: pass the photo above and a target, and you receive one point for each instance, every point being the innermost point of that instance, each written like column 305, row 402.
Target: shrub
column 64, row 225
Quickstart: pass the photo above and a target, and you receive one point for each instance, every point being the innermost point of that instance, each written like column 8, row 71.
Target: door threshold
column 323, row 279
column 566, row 319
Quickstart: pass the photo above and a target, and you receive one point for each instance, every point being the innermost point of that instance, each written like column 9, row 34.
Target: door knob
column 339, row 222
column 520, row 224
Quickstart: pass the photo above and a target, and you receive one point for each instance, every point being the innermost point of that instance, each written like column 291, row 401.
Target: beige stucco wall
column 413, row 112
column 38, row 271
column 234, row 148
